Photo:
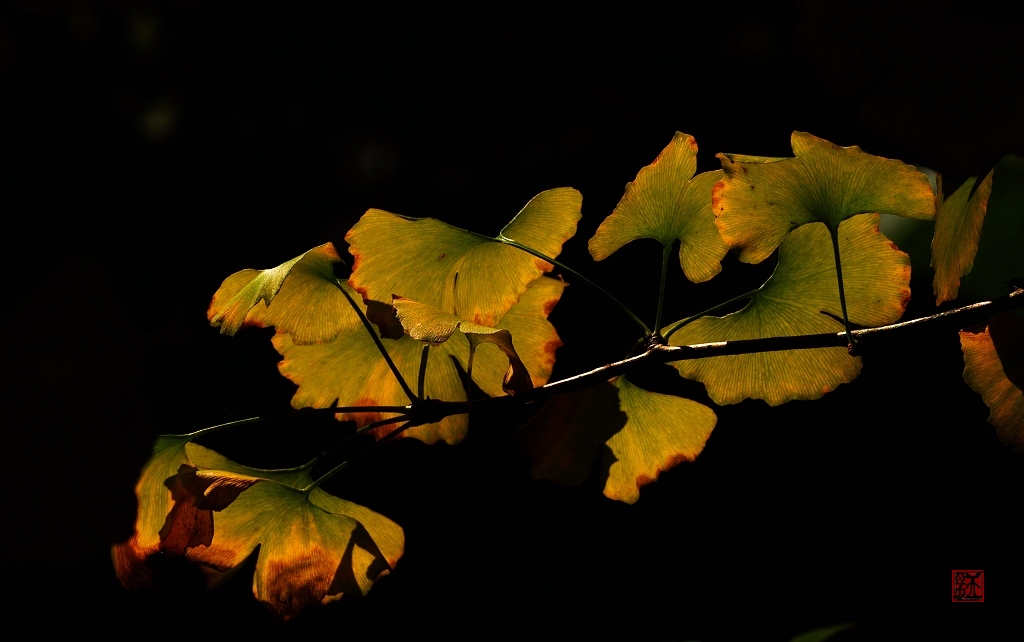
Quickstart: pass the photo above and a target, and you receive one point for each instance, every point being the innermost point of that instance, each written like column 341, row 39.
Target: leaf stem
column 834, row 232
column 671, row 329
column 469, row 370
column 345, row 464
column 333, row 410
column 348, row 438
column 562, row 266
column 380, row 345
column 661, row 289
column 423, row 370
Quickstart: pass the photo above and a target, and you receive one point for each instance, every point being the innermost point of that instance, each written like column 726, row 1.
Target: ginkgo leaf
column 350, row 371
column 958, row 222
column 994, row 368
column 430, row 325
column 466, row 274
column 314, row 547
column 667, row 202
column 640, row 434
column 761, row 200
column 304, row 293
column 168, row 518
column 791, row 302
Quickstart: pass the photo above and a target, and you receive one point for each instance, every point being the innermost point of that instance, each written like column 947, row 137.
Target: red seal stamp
column 968, row 586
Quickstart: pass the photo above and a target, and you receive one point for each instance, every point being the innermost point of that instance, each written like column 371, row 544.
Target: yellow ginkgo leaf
column 994, row 368
column 957, row 233
column 472, row 276
column 761, row 200
column 667, row 202
column 305, row 296
column 792, row 302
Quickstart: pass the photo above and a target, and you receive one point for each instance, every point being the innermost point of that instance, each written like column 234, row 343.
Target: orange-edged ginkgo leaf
column 761, row 200
column 169, row 519
column 466, row 274
column 877, row 281
column 958, row 222
column 667, row 202
column 314, row 547
column 430, row 325
column 639, row 433
column 154, row 504
column 350, row 371
column 994, row 368
column 300, row 297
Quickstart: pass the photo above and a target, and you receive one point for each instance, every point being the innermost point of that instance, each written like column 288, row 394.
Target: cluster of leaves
column 447, row 310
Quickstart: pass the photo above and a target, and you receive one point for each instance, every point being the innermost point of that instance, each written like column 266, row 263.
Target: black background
column 152, row 149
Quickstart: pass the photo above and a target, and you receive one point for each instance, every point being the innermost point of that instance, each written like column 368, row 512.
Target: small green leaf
column 304, row 293
column 761, row 200
column 465, row 274
column 430, row 325
column 667, row 202
column 640, row 434
column 994, row 368
column 958, row 224
column 791, row 302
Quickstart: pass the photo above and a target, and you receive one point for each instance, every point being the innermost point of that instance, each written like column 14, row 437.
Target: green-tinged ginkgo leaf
column 994, row 368
column 639, row 433
column 761, row 200
column 350, row 371
column 459, row 272
column 304, row 293
column 877, row 279
column 314, row 547
column 430, row 325
column 958, row 221
column 667, row 202
column 169, row 520
column 154, row 504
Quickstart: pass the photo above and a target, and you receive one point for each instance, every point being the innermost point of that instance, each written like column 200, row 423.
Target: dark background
column 152, row 149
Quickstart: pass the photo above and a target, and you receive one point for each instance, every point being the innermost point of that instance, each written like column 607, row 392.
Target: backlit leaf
column 351, row 372
column 465, row 274
column 761, row 200
column 876, row 276
column 667, row 202
column 304, row 293
column 639, row 433
column 994, row 368
column 958, row 224
column 314, row 547
column 430, row 325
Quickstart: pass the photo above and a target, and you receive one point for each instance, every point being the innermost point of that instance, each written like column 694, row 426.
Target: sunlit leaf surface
column 994, row 368
column 761, row 200
column 958, row 224
column 465, row 274
column 351, row 372
column 430, row 325
column 639, row 434
column 667, row 202
column 300, row 297
column 877, row 280
column 314, row 547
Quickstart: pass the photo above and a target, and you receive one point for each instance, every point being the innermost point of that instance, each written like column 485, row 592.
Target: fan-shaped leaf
column 761, row 200
column 667, row 202
column 791, row 302
column 430, row 325
column 305, row 296
column 957, row 232
column 641, row 434
column 350, row 371
column 994, row 368
column 466, row 274
column 314, row 547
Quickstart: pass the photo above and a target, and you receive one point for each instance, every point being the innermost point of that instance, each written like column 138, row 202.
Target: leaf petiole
column 345, row 464
column 380, row 346
column 574, row 273
column 661, row 289
column 834, row 233
column 671, row 329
